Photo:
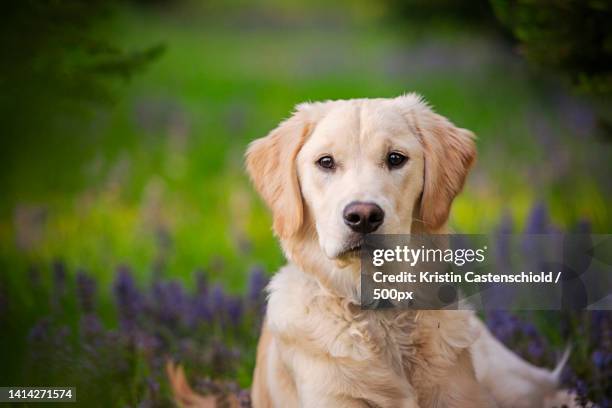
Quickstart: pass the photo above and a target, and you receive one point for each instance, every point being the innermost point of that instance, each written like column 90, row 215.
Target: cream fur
column 318, row 348
column 321, row 349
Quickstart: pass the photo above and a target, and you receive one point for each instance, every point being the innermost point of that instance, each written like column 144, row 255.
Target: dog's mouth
column 352, row 250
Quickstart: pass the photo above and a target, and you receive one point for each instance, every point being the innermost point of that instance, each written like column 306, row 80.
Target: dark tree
column 56, row 63
column 571, row 36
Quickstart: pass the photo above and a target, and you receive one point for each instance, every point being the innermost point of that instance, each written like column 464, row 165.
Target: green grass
column 168, row 155
column 156, row 181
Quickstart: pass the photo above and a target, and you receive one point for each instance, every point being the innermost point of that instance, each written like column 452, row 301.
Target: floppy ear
column 449, row 154
column 271, row 165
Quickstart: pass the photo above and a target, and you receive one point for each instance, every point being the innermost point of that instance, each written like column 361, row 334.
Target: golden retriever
column 331, row 173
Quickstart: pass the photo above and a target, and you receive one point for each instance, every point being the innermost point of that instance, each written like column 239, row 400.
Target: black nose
column 363, row 217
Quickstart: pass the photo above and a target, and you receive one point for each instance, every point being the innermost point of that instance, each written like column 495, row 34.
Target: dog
column 330, row 174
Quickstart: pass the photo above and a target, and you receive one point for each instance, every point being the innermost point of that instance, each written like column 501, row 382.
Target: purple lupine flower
column 600, row 326
column 533, row 249
column 529, row 329
column 494, row 296
column 582, row 391
column 583, row 226
column 602, row 359
column 39, row 337
column 86, row 291
column 152, row 393
column 129, row 299
column 200, row 309
column 206, row 386
column 146, row 403
column 256, row 293
column 503, row 238
column 218, row 300
column 92, row 336
column 257, row 283
column 40, row 331
column 222, row 358
column 200, row 303
column 234, row 310
column 152, row 385
column 567, row 376
column 187, row 347
column 535, row 349
column 538, row 221
column 521, row 335
column 170, row 302
column 244, row 399
column 147, row 343
column 61, row 336
column 90, row 326
column 502, row 324
column 578, row 115
column 201, row 282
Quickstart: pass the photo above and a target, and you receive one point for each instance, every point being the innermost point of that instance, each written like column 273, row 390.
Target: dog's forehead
column 360, row 121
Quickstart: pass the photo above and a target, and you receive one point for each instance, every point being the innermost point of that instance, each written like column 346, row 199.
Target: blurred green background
column 142, row 162
column 124, row 125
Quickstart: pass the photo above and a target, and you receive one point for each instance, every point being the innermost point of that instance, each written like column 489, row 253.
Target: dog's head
column 335, row 171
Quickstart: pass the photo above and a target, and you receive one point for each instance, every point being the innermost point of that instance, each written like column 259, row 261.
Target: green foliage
column 571, row 36
column 473, row 12
column 167, row 178
column 57, row 63
column 158, row 182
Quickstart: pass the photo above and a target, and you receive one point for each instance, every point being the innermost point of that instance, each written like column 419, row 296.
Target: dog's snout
column 363, row 217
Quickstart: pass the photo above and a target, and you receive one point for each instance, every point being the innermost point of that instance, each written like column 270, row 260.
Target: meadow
column 131, row 233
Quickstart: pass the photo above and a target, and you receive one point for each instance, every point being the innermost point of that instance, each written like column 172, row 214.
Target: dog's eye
column 395, row 160
column 326, row 162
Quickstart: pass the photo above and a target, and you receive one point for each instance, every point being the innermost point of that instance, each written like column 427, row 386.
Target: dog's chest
column 300, row 311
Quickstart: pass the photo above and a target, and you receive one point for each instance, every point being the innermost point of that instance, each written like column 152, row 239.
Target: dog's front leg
column 316, row 401
column 328, row 388
column 459, row 388
column 319, row 389
column 323, row 401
